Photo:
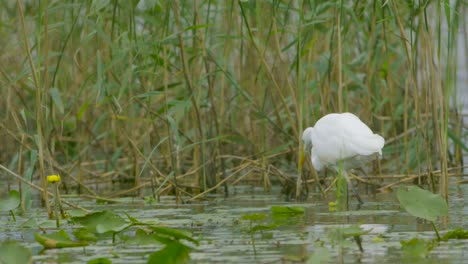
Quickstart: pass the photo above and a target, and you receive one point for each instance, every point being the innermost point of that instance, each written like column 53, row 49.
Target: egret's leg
column 352, row 187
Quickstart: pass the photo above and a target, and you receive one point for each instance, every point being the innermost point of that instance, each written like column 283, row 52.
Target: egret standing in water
column 342, row 142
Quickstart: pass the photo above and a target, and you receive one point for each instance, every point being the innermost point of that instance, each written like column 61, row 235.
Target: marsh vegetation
column 190, row 99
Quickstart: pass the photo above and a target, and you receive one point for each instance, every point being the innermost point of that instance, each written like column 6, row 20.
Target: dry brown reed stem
column 330, row 185
column 418, row 176
column 40, row 189
column 129, row 191
column 220, row 182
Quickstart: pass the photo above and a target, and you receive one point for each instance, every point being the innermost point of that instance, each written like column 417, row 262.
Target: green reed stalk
column 38, row 109
column 192, row 95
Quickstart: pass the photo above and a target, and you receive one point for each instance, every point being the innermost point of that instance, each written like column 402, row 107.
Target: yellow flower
column 53, row 178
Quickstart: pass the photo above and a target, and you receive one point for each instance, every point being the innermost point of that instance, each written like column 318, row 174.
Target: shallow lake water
column 224, row 238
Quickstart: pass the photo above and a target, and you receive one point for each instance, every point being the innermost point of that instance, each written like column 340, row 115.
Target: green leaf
column 417, row 247
column 31, row 222
column 150, row 94
column 132, row 219
column 339, row 236
column 172, row 253
column 82, row 110
column 172, row 234
column 14, row 252
column 11, row 202
column 85, row 234
column 100, row 261
column 102, row 222
column 459, row 233
column 59, row 239
column 276, row 209
column 320, row 255
column 350, row 231
column 142, row 238
column 421, row 203
column 57, row 99
column 457, row 140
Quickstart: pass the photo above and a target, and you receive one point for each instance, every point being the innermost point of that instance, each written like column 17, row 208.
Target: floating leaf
column 11, row 202
column 59, row 239
column 421, row 203
column 31, row 222
column 14, row 252
column 172, row 253
column 100, row 261
column 76, row 212
column 320, row 255
column 417, row 247
column 47, row 224
column 85, row 234
column 459, row 233
column 102, row 222
column 172, row 234
column 340, row 235
column 142, row 238
column 354, row 230
column 276, row 209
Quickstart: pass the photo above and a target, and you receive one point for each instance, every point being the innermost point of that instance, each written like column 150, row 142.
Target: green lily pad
column 102, row 222
column 59, row 239
column 172, row 253
column 31, row 222
column 421, row 203
column 14, row 252
column 48, row 224
column 276, row 209
column 11, row 202
column 85, row 234
column 417, row 247
column 76, row 212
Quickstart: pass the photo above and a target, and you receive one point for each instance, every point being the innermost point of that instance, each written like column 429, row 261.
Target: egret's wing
column 358, row 138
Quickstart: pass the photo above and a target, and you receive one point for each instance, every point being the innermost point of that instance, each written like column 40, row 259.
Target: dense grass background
column 218, row 92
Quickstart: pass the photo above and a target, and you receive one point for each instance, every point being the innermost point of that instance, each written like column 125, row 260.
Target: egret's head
column 307, row 138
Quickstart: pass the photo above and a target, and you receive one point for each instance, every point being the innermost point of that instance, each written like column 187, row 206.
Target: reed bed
column 191, row 97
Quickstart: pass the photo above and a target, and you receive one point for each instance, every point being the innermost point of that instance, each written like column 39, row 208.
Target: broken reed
column 159, row 90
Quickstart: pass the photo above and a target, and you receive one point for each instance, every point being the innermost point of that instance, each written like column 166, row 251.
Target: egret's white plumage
column 341, row 138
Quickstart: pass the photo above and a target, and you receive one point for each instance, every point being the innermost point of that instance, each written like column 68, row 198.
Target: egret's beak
column 301, row 160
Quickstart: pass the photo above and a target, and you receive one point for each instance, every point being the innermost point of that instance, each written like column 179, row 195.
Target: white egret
column 341, row 141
